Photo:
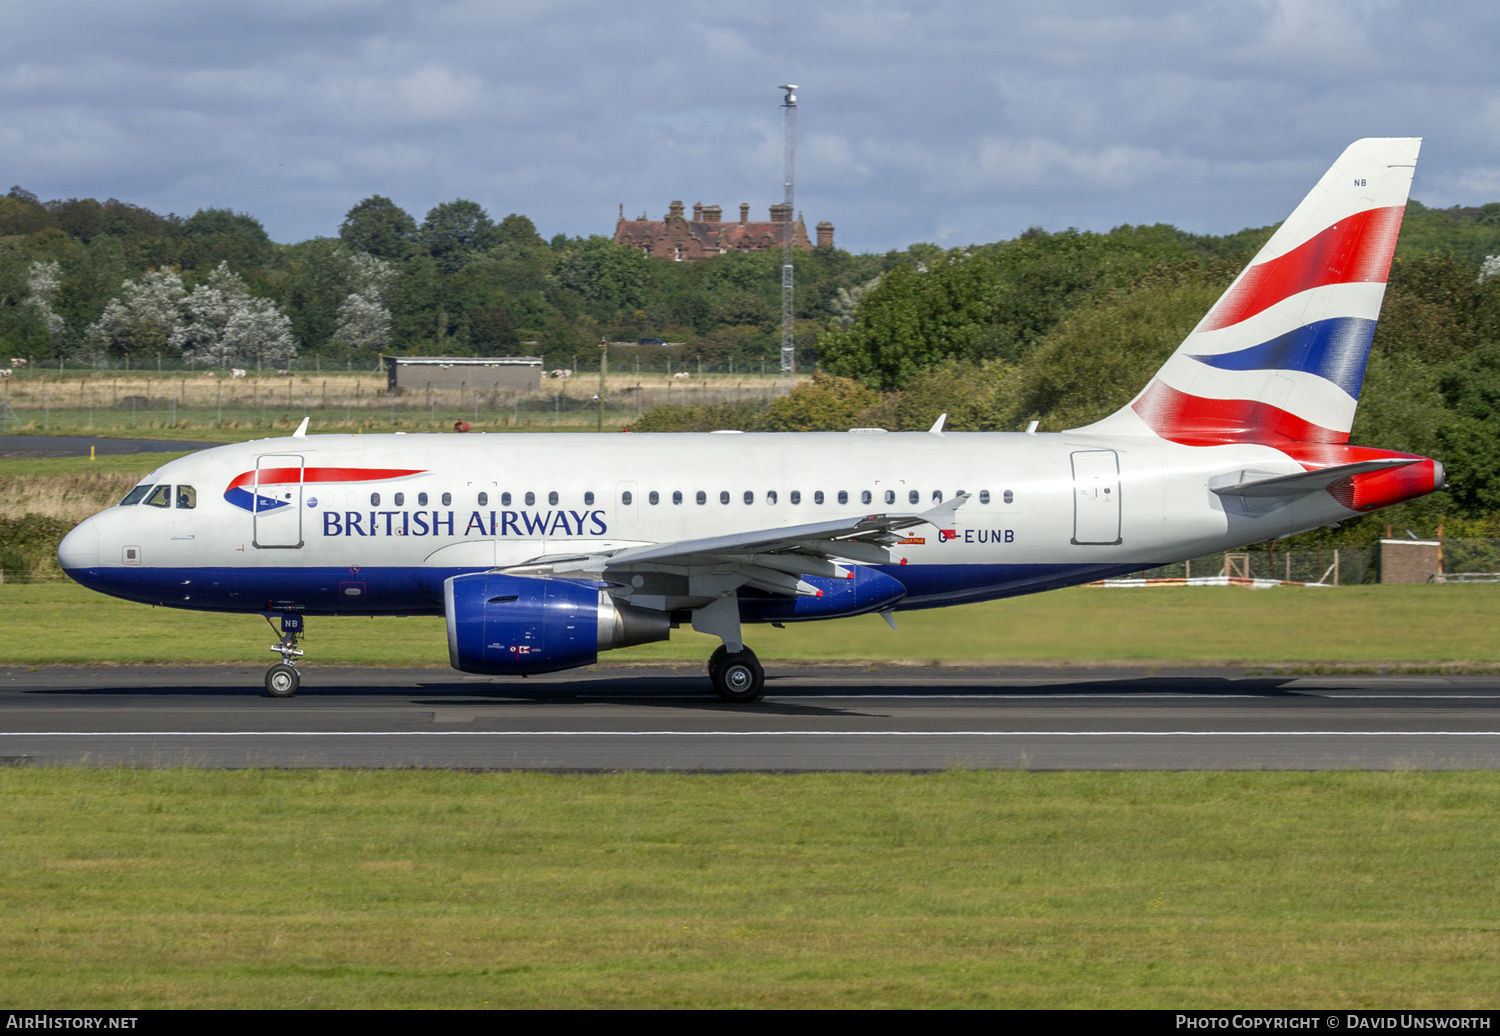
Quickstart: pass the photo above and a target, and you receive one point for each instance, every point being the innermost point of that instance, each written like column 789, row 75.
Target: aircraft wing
column 769, row 558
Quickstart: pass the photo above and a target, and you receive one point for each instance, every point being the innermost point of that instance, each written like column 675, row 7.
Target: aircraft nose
column 79, row 549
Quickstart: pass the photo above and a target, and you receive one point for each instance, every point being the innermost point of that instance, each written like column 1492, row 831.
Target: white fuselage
column 357, row 524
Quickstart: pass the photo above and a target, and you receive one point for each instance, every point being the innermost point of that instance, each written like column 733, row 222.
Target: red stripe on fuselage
column 1356, row 249
column 283, row 476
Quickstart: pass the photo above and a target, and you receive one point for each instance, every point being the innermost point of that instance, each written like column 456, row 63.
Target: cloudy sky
column 947, row 122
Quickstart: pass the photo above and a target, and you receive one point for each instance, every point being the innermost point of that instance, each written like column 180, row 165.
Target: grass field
column 146, row 889
column 1404, row 626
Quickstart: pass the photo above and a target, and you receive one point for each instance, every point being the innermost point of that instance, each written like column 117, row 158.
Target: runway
column 23, row 446
column 812, row 718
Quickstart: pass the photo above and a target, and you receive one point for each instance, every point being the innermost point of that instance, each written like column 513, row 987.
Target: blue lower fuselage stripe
column 419, row 591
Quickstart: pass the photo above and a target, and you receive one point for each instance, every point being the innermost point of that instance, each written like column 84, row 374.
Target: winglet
column 937, row 426
column 301, row 432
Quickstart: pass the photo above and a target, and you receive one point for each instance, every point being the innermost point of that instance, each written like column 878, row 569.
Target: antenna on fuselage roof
column 301, row 432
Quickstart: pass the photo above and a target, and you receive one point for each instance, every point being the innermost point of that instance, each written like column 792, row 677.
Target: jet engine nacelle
column 515, row 625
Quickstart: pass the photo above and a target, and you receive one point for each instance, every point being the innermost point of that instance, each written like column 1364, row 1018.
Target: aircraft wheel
column 739, row 677
column 282, row 680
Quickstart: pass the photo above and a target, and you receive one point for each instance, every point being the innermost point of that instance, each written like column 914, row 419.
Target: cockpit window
column 187, row 498
column 135, row 495
column 161, row 496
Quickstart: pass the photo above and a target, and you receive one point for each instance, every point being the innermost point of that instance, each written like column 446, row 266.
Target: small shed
column 471, row 373
column 1410, row 561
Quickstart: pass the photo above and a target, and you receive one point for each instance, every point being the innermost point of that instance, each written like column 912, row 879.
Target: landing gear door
column 1096, row 497
column 278, row 502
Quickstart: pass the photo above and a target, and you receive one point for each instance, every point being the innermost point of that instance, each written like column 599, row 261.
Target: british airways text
column 480, row 523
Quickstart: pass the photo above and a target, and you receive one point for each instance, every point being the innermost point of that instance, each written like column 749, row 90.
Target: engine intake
column 505, row 625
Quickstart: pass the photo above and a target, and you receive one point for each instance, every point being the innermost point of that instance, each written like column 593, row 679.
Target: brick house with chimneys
column 706, row 235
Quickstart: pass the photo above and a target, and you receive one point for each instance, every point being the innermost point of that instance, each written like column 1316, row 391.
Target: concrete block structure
column 470, row 373
column 1410, row 561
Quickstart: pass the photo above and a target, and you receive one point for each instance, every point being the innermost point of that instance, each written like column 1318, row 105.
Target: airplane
column 543, row 551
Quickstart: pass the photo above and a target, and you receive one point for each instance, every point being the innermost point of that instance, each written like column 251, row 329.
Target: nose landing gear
column 282, row 679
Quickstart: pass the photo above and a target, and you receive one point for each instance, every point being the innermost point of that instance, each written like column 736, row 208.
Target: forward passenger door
column 278, row 502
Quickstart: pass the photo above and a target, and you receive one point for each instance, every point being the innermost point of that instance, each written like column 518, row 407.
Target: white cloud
column 917, row 121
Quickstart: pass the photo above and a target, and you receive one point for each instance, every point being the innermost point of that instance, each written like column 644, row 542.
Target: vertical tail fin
column 1281, row 356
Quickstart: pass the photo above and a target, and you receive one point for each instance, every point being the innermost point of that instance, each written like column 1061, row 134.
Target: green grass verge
column 145, row 889
column 57, row 622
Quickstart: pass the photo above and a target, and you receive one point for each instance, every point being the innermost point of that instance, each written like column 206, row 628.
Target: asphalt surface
column 17, row 446
column 812, row 718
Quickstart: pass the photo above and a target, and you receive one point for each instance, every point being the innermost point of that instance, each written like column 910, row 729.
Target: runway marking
column 1414, row 697
column 755, row 733
column 1014, row 695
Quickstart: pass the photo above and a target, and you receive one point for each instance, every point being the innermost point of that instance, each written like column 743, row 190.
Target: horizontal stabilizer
column 1310, row 481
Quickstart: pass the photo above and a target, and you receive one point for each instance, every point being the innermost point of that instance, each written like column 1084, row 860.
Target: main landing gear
column 737, row 676
column 282, row 679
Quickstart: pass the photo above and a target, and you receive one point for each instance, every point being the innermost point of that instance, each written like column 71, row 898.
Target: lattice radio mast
column 788, row 341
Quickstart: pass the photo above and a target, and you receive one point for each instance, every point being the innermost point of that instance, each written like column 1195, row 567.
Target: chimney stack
column 697, row 212
column 825, row 234
column 744, row 212
column 781, row 213
column 712, row 214
column 675, row 210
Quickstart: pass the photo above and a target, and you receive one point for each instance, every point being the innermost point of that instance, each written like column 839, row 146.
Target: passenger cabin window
column 864, row 496
column 1008, row 496
column 702, row 497
column 505, row 499
column 588, row 498
column 843, row 496
column 400, row 499
column 771, row 496
column 374, row 499
column 653, row 497
column 937, row 496
column 818, row 497
column 749, row 497
column 187, row 498
column 484, row 499
column 626, row 498
column 551, row 498
column 447, row 499
column 984, row 496
column 161, row 496
column 135, row 496
column 531, row 500
column 796, row 496
column 723, row 496
column 421, row 499
column 890, row 496
column 676, row 496
column 913, row 496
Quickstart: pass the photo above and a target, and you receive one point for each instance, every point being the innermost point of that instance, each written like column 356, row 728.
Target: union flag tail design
column 1281, row 356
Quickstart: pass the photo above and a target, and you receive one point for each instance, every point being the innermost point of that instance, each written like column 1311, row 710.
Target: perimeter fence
column 79, row 401
column 1333, row 566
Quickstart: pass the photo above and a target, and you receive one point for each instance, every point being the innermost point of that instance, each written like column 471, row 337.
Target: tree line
column 111, row 283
